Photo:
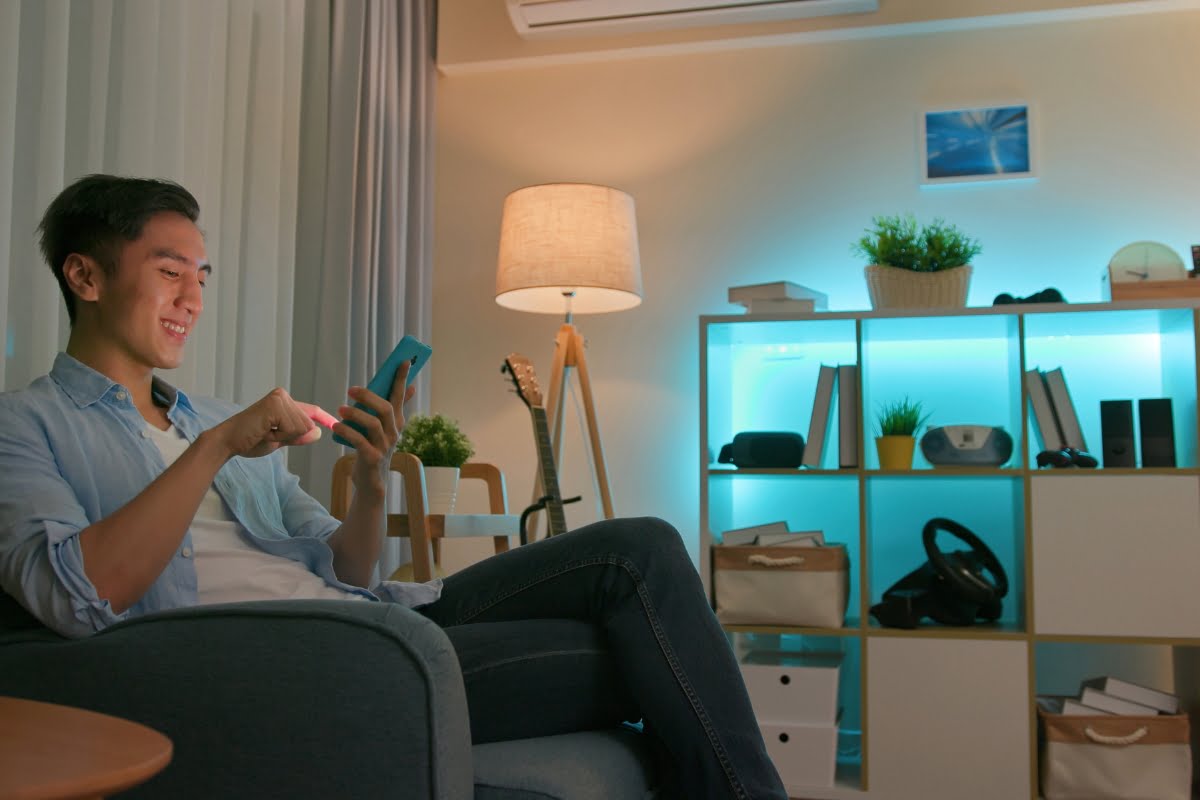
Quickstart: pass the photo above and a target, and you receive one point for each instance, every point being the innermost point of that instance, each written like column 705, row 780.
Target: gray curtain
column 207, row 94
column 363, row 268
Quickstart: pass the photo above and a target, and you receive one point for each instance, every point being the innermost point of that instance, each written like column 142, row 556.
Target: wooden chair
column 425, row 531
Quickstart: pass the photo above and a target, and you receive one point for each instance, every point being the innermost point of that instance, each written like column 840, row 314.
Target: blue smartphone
column 409, row 349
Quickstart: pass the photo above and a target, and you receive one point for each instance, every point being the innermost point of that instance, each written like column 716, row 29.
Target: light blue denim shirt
column 74, row 449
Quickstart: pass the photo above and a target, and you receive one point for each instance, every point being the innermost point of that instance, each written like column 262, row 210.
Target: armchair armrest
column 308, row 698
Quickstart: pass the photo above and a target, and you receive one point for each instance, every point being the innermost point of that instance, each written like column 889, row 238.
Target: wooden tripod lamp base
column 568, row 353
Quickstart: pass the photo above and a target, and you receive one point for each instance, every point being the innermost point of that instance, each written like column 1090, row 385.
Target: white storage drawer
column 804, row 755
column 793, row 687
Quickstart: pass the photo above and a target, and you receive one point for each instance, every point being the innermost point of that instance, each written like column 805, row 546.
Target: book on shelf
column 777, row 290
column 1074, row 708
column 1165, row 702
column 748, row 535
column 818, row 425
column 1068, row 707
column 774, row 534
column 847, row 388
column 1064, row 409
column 785, row 305
column 1043, row 411
column 792, row 539
column 1094, row 698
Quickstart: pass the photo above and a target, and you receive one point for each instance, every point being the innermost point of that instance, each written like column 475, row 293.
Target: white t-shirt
column 229, row 568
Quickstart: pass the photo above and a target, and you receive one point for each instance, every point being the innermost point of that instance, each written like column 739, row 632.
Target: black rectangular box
column 1157, row 429
column 1116, row 428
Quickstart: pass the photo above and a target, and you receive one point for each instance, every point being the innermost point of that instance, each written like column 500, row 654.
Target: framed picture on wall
column 985, row 143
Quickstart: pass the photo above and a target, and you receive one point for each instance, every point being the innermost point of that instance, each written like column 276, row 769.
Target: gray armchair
column 308, row 699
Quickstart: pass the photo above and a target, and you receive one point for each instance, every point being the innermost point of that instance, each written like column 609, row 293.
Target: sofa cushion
column 615, row 764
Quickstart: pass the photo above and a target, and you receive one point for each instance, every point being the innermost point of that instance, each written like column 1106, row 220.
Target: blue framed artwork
column 990, row 143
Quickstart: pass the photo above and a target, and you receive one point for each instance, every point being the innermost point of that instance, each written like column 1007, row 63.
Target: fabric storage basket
column 893, row 287
column 1131, row 758
column 767, row 585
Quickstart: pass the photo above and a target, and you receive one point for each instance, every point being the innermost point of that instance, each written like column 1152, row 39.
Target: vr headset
column 766, row 449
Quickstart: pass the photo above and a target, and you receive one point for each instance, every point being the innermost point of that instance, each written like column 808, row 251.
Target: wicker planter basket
column 892, row 287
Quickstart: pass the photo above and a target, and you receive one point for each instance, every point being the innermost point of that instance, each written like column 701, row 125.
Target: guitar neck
column 554, row 506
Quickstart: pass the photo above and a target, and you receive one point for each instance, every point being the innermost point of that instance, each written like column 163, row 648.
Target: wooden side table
column 53, row 752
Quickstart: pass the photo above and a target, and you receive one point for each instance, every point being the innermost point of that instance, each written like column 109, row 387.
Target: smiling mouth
column 175, row 328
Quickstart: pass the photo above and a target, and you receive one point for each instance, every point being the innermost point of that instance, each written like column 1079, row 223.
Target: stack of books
column 773, row 534
column 1108, row 695
column 778, row 297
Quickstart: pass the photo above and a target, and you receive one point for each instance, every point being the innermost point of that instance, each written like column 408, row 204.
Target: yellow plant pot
column 895, row 452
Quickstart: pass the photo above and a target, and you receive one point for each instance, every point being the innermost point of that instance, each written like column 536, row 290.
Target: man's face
column 149, row 306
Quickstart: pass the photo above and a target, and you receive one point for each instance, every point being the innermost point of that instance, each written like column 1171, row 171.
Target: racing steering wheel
column 955, row 588
column 964, row 569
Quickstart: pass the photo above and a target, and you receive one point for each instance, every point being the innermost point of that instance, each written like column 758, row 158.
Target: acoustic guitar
column 520, row 371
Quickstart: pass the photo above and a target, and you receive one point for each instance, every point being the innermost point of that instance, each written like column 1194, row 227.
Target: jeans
column 656, row 652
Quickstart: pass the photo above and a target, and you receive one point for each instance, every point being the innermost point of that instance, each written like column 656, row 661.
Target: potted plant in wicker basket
column 898, row 426
column 915, row 266
column 443, row 448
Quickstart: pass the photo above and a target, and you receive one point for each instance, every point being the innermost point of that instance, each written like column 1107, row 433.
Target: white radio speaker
column 966, row 446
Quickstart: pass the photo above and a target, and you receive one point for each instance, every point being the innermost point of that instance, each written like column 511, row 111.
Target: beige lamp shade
column 568, row 247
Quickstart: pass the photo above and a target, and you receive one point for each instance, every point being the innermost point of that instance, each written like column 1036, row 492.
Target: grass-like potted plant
column 916, row 266
column 443, row 448
column 895, row 439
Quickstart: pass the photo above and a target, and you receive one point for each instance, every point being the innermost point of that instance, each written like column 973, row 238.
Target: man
column 123, row 496
column 107, row 467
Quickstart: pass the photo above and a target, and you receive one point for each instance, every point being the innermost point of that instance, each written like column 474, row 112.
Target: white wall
column 757, row 165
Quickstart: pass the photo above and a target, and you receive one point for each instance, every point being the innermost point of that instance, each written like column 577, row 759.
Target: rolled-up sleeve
column 41, row 564
column 303, row 516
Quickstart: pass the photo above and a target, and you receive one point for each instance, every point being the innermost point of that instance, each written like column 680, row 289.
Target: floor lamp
column 570, row 248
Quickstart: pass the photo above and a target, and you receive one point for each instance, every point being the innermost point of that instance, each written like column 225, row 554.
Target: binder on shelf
column 847, row 387
column 1043, row 411
column 818, row 424
column 1064, row 409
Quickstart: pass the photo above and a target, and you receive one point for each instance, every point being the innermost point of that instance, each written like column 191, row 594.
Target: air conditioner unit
column 544, row 18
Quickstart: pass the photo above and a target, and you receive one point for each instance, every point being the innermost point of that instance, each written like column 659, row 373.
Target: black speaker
column 1116, row 426
column 1157, row 429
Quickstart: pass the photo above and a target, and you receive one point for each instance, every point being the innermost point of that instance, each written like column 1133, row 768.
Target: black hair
column 98, row 214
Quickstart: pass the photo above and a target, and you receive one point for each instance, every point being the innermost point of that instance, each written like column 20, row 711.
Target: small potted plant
column 898, row 425
column 916, row 266
column 443, row 448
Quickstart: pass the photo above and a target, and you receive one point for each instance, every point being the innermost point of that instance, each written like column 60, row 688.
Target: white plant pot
column 441, row 487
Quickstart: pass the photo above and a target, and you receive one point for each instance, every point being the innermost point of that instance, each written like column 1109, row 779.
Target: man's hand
column 274, row 421
column 356, row 544
column 382, row 432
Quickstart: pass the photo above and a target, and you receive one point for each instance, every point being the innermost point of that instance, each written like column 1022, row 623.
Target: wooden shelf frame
column 859, row 628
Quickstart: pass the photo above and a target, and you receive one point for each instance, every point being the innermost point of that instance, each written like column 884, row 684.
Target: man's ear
column 84, row 275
